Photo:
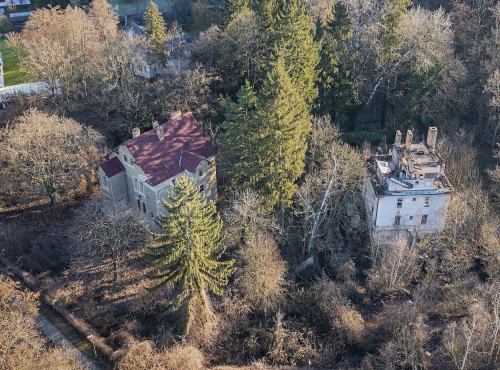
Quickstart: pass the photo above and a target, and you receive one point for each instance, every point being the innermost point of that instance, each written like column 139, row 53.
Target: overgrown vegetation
column 295, row 95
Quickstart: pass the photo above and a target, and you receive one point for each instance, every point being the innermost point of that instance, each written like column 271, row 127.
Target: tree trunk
column 51, row 188
column 115, row 271
column 282, row 218
column 384, row 109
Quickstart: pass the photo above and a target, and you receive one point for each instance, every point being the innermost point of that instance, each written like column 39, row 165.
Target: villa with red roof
column 141, row 171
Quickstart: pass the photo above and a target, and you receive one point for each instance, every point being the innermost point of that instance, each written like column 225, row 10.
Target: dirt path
column 60, row 339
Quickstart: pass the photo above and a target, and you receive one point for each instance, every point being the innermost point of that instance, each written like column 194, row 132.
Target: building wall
column 412, row 211
column 382, row 211
column 116, row 191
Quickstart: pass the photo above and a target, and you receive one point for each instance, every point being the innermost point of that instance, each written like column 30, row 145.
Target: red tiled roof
column 159, row 159
column 189, row 160
column 112, row 167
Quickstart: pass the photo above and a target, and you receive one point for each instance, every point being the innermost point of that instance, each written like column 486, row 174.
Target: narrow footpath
column 60, row 339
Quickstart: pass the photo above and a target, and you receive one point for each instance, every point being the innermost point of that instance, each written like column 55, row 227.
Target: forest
column 296, row 96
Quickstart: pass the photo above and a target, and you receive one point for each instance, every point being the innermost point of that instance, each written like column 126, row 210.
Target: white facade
column 407, row 190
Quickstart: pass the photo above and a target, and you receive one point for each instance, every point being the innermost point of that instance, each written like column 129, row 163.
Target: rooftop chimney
column 159, row 132
column 156, row 124
column 409, row 139
column 411, row 163
column 136, row 132
column 175, row 115
column 397, row 141
column 432, row 137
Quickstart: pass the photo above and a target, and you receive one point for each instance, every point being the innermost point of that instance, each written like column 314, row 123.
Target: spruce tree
column 284, row 123
column 336, row 83
column 238, row 137
column 292, row 38
column 157, row 32
column 231, row 7
column 190, row 248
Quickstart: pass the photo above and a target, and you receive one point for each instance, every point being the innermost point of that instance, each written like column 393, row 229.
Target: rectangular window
column 125, row 158
column 200, row 172
column 400, row 202
column 108, row 200
column 151, row 214
column 411, row 217
column 174, row 183
column 121, row 200
column 397, row 220
column 142, row 187
column 202, row 188
column 424, row 219
column 136, row 184
column 426, row 202
column 138, row 203
column 104, row 181
column 414, row 199
column 144, row 207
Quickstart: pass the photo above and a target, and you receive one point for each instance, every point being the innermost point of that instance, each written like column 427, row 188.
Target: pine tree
column 231, row 7
column 292, row 37
column 238, row 139
column 283, row 127
column 335, row 84
column 157, row 31
column 191, row 247
column 267, row 11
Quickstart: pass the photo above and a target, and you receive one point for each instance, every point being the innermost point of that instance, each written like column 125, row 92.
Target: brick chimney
column 159, row 132
column 156, row 124
column 432, row 137
column 409, row 139
column 397, row 141
column 136, row 132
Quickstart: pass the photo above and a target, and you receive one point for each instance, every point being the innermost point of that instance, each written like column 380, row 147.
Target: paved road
column 58, row 338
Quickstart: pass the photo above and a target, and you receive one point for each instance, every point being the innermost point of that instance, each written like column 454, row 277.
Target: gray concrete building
column 141, row 171
column 407, row 189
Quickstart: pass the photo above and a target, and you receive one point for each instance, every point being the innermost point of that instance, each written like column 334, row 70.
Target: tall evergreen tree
column 238, row 138
column 191, row 246
column 336, row 83
column 157, row 32
column 292, row 38
column 267, row 11
column 284, row 123
column 231, row 7
column 390, row 42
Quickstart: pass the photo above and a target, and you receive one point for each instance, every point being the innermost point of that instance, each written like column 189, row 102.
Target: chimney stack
column 411, row 163
column 136, row 132
column 175, row 115
column 159, row 132
column 432, row 137
column 156, row 124
column 409, row 139
column 397, row 141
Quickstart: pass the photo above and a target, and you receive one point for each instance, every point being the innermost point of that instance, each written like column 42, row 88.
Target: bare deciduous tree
column 101, row 231
column 21, row 343
column 51, row 150
column 394, row 264
column 261, row 278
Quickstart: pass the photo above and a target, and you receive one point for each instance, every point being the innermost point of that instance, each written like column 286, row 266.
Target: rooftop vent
column 397, row 141
column 159, row 132
column 136, row 132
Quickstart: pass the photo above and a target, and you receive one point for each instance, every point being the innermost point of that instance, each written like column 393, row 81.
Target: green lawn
column 11, row 70
column 126, row 7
